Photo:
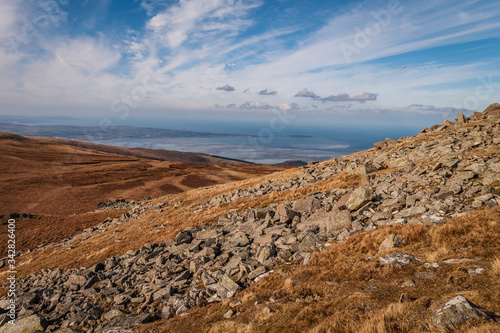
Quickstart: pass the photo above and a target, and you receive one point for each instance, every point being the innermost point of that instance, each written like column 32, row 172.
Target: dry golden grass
column 495, row 267
column 480, row 328
column 136, row 233
column 331, row 295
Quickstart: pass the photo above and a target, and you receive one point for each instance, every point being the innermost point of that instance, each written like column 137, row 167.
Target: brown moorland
column 60, row 183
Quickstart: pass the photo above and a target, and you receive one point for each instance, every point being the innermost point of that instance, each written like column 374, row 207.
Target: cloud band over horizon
column 62, row 57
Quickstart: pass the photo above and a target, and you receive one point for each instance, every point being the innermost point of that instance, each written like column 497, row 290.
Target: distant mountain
column 96, row 133
column 33, row 119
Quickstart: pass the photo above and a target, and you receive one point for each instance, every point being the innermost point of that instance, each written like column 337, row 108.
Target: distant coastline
column 97, row 133
column 297, row 143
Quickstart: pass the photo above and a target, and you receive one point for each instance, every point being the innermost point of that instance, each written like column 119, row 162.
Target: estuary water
column 265, row 146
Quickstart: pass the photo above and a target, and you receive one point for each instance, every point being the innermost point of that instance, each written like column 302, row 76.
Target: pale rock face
column 284, row 211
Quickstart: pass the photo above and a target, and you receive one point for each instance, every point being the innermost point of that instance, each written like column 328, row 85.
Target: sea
column 267, row 144
column 259, row 142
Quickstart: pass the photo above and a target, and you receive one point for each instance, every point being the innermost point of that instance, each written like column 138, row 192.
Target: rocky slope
column 444, row 171
column 60, row 182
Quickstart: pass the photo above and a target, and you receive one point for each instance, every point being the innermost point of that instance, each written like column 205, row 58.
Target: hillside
column 404, row 237
column 61, row 182
column 155, row 154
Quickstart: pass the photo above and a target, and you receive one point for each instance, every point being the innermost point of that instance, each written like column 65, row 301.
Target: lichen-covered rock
column 183, row 237
column 398, row 259
column 284, row 211
column 306, row 205
column 239, row 239
column 338, row 220
column 411, row 212
column 266, row 252
column 358, row 198
column 30, row 324
column 78, row 280
column 114, row 313
column 391, row 242
column 451, row 315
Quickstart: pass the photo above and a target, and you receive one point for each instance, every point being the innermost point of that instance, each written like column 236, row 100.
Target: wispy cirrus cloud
column 187, row 19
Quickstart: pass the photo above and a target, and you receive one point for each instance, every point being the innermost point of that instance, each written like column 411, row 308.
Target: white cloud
column 75, row 74
column 306, row 93
column 25, row 26
column 7, row 17
column 256, row 105
column 190, row 17
column 86, row 56
column 288, row 106
column 150, row 6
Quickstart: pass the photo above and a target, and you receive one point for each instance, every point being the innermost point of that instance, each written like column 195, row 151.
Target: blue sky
column 357, row 60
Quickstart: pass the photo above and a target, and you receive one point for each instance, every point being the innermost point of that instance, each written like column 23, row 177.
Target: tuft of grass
column 495, row 267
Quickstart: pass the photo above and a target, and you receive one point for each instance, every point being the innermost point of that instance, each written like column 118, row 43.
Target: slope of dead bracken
column 57, row 184
column 404, row 237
